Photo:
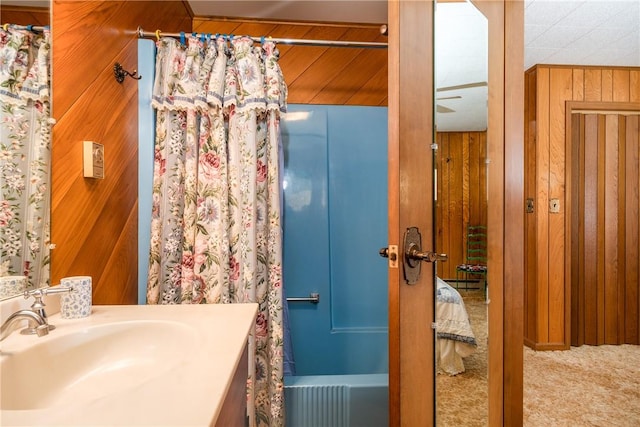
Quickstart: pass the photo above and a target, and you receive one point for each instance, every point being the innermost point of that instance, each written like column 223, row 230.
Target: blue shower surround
column 335, row 222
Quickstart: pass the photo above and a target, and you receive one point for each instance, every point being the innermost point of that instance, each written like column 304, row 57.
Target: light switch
column 554, row 205
column 93, row 154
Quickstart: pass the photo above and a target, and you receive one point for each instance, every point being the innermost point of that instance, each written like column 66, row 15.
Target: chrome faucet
column 38, row 324
column 38, row 306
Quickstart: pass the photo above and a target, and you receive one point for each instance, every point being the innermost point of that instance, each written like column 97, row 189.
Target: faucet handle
column 38, row 305
column 40, row 292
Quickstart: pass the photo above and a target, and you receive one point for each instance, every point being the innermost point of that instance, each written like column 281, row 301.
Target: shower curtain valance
column 198, row 78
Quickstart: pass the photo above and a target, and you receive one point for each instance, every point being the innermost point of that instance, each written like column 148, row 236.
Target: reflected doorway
column 460, row 173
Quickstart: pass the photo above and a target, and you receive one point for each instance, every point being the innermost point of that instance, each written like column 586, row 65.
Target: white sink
column 91, row 362
column 124, row 366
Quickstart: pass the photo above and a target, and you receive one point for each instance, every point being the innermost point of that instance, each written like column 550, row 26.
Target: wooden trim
column 24, row 15
column 393, row 210
column 416, row 132
column 187, row 7
column 494, row 11
column 411, row 307
column 23, row 9
column 514, row 213
column 333, row 24
column 594, row 107
column 546, row 346
column 584, row 67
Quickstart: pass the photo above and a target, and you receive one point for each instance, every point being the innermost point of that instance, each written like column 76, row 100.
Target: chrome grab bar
column 313, row 298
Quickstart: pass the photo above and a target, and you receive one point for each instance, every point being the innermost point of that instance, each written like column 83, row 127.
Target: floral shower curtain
column 216, row 225
column 25, row 154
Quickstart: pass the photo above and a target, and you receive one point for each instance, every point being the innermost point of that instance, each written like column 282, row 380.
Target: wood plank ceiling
column 319, row 75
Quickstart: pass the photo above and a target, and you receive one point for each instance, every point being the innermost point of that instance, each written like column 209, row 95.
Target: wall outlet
column 93, row 155
column 554, row 205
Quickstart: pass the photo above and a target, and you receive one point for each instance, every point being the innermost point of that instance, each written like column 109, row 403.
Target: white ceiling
column 587, row 32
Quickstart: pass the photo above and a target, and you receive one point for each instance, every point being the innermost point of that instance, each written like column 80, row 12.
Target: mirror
column 461, row 114
column 25, row 146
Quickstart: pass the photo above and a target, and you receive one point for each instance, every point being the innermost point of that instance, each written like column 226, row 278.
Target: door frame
column 411, row 341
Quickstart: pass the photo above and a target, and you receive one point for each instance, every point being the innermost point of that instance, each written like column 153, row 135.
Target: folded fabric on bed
column 452, row 319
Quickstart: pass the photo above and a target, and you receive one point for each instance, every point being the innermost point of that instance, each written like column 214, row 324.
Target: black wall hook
column 120, row 73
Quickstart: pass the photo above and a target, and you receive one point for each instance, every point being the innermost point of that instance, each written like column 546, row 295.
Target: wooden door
column 411, row 307
column 605, row 229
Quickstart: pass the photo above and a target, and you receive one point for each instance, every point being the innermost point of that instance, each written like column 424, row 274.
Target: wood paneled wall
column 461, row 193
column 95, row 221
column 548, row 88
column 24, row 15
column 319, row 75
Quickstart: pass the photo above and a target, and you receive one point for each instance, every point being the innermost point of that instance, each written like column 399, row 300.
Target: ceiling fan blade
column 449, row 97
column 443, row 109
column 464, row 86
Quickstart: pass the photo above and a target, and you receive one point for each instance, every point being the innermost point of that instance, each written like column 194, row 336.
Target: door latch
column 392, row 253
column 413, row 255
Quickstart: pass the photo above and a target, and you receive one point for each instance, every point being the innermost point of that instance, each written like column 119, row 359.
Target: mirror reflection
column 25, row 148
column 461, row 52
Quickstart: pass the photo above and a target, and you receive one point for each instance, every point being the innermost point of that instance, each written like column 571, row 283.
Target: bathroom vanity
column 131, row 365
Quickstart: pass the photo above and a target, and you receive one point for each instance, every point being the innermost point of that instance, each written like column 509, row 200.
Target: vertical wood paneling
column 590, row 222
column 554, row 86
column 610, row 253
column 542, row 205
column 530, row 300
column 578, row 84
column 606, row 92
column 560, row 89
column 622, row 231
column 456, row 194
column 576, row 207
column 600, row 227
column 634, row 86
column 632, row 226
column 592, row 85
column 461, row 189
column 621, row 84
column 465, row 140
column 94, row 222
column 484, row 196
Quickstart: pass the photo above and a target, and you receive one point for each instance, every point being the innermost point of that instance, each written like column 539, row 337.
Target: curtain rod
column 300, row 42
column 37, row 28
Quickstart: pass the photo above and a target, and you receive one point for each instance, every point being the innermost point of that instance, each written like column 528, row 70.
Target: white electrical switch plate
column 93, row 154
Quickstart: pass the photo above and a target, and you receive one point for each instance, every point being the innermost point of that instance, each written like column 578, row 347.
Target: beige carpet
column 587, row 386
column 461, row 400
column 584, row 386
